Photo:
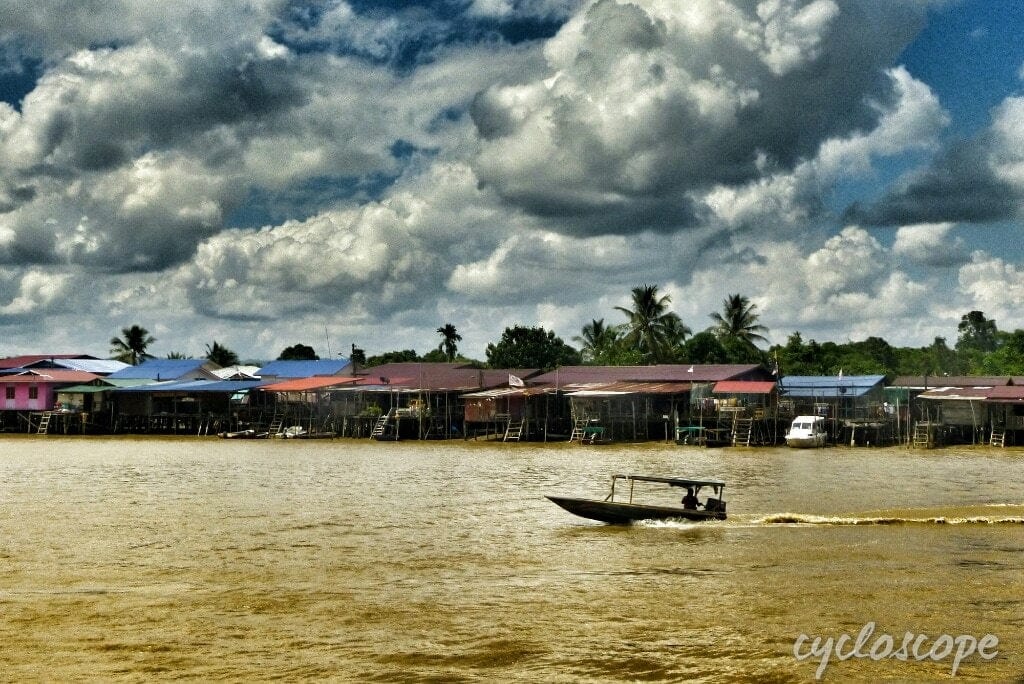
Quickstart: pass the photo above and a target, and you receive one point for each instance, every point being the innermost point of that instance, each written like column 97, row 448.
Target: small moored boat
column 611, row 511
column 806, row 432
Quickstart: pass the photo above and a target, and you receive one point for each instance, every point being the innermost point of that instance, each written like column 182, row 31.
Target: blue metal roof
column 167, row 369
column 829, row 386
column 196, row 386
column 303, row 369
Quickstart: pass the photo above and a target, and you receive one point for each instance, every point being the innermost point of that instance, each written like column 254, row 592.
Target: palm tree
column 449, row 337
column 597, row 339
column 738, row 320
column 131, row 348
column 652, row 328
column 221, row 355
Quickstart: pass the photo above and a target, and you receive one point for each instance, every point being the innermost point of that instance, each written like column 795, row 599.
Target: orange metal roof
column 308, row 384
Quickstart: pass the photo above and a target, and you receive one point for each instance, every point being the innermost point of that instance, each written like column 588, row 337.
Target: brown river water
column 343, row 560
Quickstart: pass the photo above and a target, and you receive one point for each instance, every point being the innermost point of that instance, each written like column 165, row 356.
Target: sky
column 263, row 173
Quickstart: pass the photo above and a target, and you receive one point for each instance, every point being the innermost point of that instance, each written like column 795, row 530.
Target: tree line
column 651, row 333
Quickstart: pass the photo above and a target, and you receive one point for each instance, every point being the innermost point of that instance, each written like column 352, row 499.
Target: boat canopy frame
column 717, row 485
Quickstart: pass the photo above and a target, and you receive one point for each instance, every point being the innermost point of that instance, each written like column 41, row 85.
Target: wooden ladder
column 513, row 431
column 922, row 436
column 577, row 430
column 742, row 430
column 380, row 428
column 44, row 424
column 276, row 423
column 998, row 438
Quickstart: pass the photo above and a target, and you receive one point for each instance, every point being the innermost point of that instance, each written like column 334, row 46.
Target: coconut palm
column 738, row 320
column 221, row 355
column 652, row 328
column 597, row 339
column 131, row 348
column 450, row 336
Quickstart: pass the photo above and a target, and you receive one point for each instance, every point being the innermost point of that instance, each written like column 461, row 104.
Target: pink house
column 36, row 390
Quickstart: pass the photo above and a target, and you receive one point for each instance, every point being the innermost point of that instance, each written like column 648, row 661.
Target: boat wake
column 802, row 519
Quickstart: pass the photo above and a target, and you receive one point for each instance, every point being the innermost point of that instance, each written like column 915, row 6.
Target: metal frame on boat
column 611, row 511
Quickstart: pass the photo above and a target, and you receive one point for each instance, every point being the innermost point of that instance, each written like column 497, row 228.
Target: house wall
column 23, row 400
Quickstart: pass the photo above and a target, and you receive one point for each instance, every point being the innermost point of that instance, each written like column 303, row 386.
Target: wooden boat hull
column 617, row 513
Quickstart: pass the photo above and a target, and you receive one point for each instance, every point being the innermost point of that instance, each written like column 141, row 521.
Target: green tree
column 738, row 321
column 652, row 328
column 298, row 352
column 221, row 355
column 449, row 337
column 403, row 356
column 131, row 347
column 599, row 343
column 1008, row 359
column 522, row 347
column 177, row 355
column 704, row 347
column 976, row 333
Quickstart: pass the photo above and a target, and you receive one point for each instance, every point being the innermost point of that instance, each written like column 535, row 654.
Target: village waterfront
column 140, row 559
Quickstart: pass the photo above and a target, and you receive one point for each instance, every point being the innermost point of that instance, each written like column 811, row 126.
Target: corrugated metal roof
column 223, row 386
column 49, row 375
column 168, row 369
column 238, row 373
column 1006, row 393
column 957, row 393
column 931, row 381
column 97, row 366
column 744, row 387
column 567, row 375
column 502, row 392
column 829, row 386
column 307, row 384
column 303, row 369
column 439, row 377
column 25, row 359
column 599, row 389
column 84, row 389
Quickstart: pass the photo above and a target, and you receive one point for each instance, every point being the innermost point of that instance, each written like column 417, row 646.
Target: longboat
column 615, row 512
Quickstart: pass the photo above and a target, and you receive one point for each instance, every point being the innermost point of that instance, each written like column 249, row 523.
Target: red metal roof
column 933, row 381
column 613, row 388
column 21, row 361
column 50, row 375
column 958, row 393
column 309, row 384
column 744, row 387
column 1008, row 393
column 567, row 375
column 439, row 376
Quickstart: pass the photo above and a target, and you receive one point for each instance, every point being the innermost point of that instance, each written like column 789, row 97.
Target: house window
column 10, row 392
column 33, row 392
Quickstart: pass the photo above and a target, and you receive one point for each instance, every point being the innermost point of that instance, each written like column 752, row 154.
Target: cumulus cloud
column 978, row 181
column 372, row 175
column 646, row 108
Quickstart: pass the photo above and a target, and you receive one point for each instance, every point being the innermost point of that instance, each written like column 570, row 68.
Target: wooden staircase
column 514, row 431
column 998, row 437
column 44, row 424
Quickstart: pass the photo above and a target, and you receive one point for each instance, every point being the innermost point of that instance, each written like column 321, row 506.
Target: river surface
column 206, row 559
